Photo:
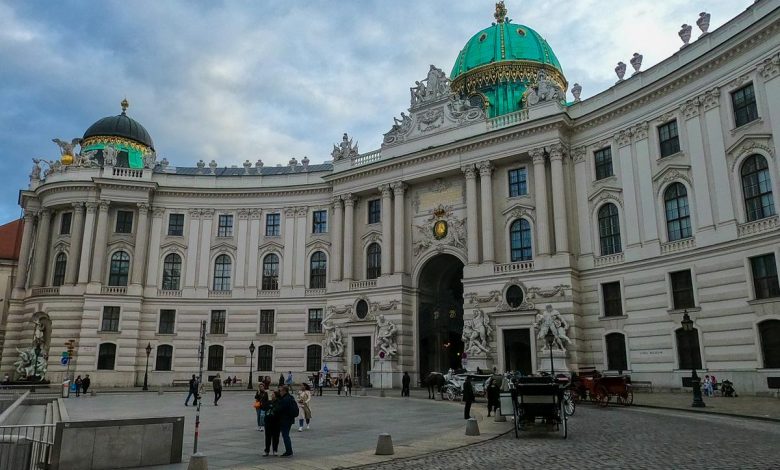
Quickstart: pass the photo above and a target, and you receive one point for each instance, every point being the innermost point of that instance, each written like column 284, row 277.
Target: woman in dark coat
column 281, row 379
column 468, row 397
column 272, row 425
column 494, row 394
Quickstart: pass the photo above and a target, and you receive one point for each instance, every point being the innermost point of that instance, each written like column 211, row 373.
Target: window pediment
column 607, row 192
column 673, row 173
column 271, row 246
column 224, row 246
column 173, row 244
column 372, row 236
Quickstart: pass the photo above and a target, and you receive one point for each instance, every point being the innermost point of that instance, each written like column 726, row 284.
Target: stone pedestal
column 481, row 361
column 382, row 376
column 336, row 366
column 558, row 361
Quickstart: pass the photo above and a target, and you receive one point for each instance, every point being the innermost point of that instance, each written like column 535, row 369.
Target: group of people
column 82, row 385
column 343, row 383
column 276, row 413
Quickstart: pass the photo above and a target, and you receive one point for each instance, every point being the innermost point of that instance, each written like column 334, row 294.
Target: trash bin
column 66, row 389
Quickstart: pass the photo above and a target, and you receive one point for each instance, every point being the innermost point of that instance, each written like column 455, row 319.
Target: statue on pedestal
column 551, row 320
column 333, row 345
column 385, row 336
column 476, row 333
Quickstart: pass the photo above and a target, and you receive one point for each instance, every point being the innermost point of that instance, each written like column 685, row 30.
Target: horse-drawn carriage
column 601, row 389
column 536, row 402
column 453, row 388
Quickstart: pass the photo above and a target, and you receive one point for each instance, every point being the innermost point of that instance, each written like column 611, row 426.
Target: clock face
column 440, row 229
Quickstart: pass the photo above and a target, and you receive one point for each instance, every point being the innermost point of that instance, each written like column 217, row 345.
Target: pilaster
column 559, row 199
column 472, row 224
column 141, row 239
column 41, row 248
column 101, row 234
column 486, row 188
column 540, row 199
column 399, row 244
column 349, row 233
column 387, row 229
column 76, row 237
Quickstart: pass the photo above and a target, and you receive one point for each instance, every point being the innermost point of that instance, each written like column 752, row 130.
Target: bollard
column 198, row 461
column 160, row 391
column 363, row 392
column 499, row 417
column 92, row 393
column 472, row 428
column 384, row 445
column 382, row 392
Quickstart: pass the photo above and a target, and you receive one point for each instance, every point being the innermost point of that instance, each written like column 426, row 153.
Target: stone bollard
column 384, row 444
column 499, row 417
column 198, row 461
column 382, row 392
column 363, row 392
column 472, row 427
column 160, row 391
column 92, row 393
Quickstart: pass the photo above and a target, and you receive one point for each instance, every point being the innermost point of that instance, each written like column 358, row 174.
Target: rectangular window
column 613, row 303
column 265, row 356
column 266, row 323
column 217, row 322
column 164, row 357
column 176, row 225
column 110, row 319
column 272, row 225
column 225, row 227
column 744, row 102
column 669, row 139
column 374, row 211
column 765, row 276
column 65, row 220
column 518, row 182
column 603, row 160
column 124, row 222
column 320, row 221
column 315, row 321
column 682, row 289
column 167, row 322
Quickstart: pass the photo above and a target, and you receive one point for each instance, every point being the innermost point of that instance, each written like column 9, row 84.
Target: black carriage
column 536, row 402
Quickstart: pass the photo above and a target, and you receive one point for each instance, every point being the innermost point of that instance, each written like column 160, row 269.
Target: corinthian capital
column 399, row 187
column 690, row 109
column 78, row 206
column 485, row 168
column 469, row 171
column 578, row 154
column 385, row 190
column 557, row 152
column 103, row 204
column 537, row 155
column 349, row 199
column 623, row 138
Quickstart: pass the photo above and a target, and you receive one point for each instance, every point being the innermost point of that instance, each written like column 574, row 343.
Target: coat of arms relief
column 442, row 228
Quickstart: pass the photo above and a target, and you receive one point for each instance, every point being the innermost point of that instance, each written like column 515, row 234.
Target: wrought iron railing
column 26, row 447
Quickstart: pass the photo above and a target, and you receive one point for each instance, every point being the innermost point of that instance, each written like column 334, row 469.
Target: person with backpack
column 287, row 412
column 272, row 426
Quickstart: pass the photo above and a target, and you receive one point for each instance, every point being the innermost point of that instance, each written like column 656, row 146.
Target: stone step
column 32, row 414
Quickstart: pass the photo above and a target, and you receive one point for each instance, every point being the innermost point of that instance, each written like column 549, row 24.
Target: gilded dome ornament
column 67, row 150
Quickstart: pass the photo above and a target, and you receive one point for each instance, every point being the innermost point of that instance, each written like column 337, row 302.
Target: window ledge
column 754, row 122
column 273, row 236
column 675, row 155
column 613, row 317
column 680, row 311
column 313, row 334
column 769, row 300
column 108, row 332
column 519, row 196
column 174, row 236
column 217, row 335
column 224, row 237
column 265, row 334
column 606, row 179
column 166, row 334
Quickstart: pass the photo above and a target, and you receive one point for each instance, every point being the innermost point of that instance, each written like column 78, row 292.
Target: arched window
column 164, row 357
column 769, row 331
column 106, row 356
column 317, row 270
column 609, row 229
column 520, row 240
column 688, row 351
column 616, row 352
column 757, row 188
column 215, row 357
column 313, row 358
column 270, row 280
column 171, row 272
column 60, row 263
column 222, row 269
column 265, row 358
column 120, row 267
column 374, row 261
column 678, row 216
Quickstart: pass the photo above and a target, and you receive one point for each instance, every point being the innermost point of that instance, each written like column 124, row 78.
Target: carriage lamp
column 146, row 372
column 251, row 360
column 550, row 339
column 687, row 326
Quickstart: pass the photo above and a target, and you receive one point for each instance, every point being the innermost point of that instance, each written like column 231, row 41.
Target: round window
column 514, row 296
column 361, row 309
column 482, row 37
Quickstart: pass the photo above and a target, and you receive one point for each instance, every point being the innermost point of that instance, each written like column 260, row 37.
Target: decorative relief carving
column 690, row 109
column 430, row 119
column 289, row 212
column 769, row 68
column 639, row 132
column 207, row 214
column 158, row 212
column 349, row 199
column 399, row 188
column 344, row 150
column 475, row 299
column 557, row 151
column 485, row 168
column 607, row 197
column 391, row 305
column 710, row 99
column 143, row 207
column 578, row 154
column 560, row 289
column 537, row 155
column 749, row 145
column 623, row 138
column 503, row 305
column 469, row 171
column 674, row 175
column 194, row 213
column 454, row 235
column 666, row 117
column 739, row 81
column 301, row 211
column 255, row 213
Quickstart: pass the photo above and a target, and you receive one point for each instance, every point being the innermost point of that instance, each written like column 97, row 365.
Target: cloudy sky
column 237, row 80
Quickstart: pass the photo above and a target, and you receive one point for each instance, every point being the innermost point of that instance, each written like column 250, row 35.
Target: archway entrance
column 440, row 314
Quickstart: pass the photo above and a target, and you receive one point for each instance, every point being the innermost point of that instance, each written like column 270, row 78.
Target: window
column 520, row 240
column 320, row 221
column 518, row 182
column 110, row 319
column 65, row 220
column 765, row 276
column 744, row 101
column 167, row 322
column 176, row 225
column 609, row 229
column 603, row 159
column 669, row 139
column 769, row 331
column 265, row 358
column 225, row 226
column 313, row 358
column 272, row 225
column 266, row 323
column 217, row 326
column 374, row 211
column 688, row 351
column 613, row 302
column 757, row 188
column 171, row 272
column 616, row 352
column 215, row 357
column 124, row 222
column 270, row 279
column 60, row 262
column 315, row 321
column 164, row 357
column 318, row 268
column 120, row 267
column 106, row 356
column 682, row 289
column 222, row 268
column 361, row 309
column 514, row 296
column 678, row 216
column 374, row 261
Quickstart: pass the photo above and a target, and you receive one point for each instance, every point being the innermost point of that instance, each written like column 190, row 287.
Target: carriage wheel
column 568, row 403
column 602, row 395
column 517, row 421
column 450, row 394
column 563, row 425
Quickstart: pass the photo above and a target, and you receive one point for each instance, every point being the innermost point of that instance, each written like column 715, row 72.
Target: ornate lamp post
column 146, row 373
column 549, row 338
column 251, row 360
column 687, row 326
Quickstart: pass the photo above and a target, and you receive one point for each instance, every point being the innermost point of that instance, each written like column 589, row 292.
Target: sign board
column 64, row 360
column 382, row 355
column 325, row 368
column 356, row 359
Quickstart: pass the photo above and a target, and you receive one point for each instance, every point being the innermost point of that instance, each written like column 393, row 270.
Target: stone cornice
column 225, row 193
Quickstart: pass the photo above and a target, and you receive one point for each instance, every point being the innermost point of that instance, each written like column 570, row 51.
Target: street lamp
column 146, row 373
column 251, row 360
column 35, row 364
column 687, row 326
column 550, row 339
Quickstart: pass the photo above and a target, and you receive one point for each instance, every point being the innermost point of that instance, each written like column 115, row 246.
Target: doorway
column 517, row 350
column 361, row 346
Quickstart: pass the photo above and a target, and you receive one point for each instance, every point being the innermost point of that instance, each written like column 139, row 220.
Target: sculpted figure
column 345, row 149
column 552, row 321
column 385, row 336
column 109, row 156
column 620, row 70
column 65, row 147
column 334, row 339
column 36, row 169
column 150, row 160
column 476, row 333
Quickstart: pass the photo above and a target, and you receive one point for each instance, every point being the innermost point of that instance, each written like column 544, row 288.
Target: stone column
column 141, row 239
column 300, row 245
column 77, row 235
column 193, row 235
column 254, row 239
column 540, row 199
column 338, row 242
column 24, row 250
column 399, row 245
column 559, row 199
column 486, row 193
column 289, row 246
column 153, row 259
column 204, row 251
column 41, row 248
column 387, row 229
column 349, row 230
column 241, row 249
column 101, row 235
column 87, row 244
column 472, row 224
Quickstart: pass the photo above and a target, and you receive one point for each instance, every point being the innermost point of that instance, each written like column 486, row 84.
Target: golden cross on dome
column 124, row 104
column 500, row 13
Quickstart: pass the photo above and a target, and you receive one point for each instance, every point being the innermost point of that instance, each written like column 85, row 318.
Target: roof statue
column 500, row 13
column 345, row 149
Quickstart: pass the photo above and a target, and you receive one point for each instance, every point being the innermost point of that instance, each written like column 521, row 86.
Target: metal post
column 146, row 372
column 200, row 381
column 552, row 365
column 251, row 361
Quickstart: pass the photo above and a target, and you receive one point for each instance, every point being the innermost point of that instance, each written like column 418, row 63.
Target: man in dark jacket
column 468, row 397
column 193, row 391
column 217, row 384
column 85, row 384
column 405, row 381
column 288, row 411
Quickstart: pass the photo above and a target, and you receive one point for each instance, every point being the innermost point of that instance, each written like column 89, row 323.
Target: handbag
column 257, row 404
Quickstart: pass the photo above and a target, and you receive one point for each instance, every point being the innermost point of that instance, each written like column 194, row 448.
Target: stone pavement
column 747, row 406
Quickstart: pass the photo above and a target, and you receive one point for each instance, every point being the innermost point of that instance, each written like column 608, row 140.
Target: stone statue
column 385, row 336
column 109, row 156
column 703, row 22
column 150, row 160
column 67, row 148
column 476, row 333
column 418, row 92
column 552, row 321
column 685, row 34
column 28, row 365
column 576, row 90
column 544, row 90
column 437, row 81
column 39, row 335
column 620, row 70
column 636, row 61
column 333, row 345
column 35, row 174
column 345, row 149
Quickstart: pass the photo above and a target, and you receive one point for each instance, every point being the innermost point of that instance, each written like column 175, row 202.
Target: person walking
column 261, row 405
column 281, row 379
column 272, row 427
column 192, row 391
column 78, row 385
column 85, row 383
column 468, row 397
column 340, row 383
column 494, row 394
column 288, row 411
column 304, row 397
column 267, row 383
column 321, row 383
column 217, row 384
column 405, row 381
column 289, row 381
column 348, row 384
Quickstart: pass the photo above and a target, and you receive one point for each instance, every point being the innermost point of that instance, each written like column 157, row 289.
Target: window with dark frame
column 119, row 269
column 374, row 211
column 616, row 352
column 612, row 298
column 318, row 270
column 217, row 324
column 315, row 321
column 609, row 230
column 765, row 283
column 769, row 331
column 171, row 272
column 603, row 159
column 373, row 261
column 265, row 357
column 222, row 272
column 167, row 322
column 520, row 241
column 688, row 350
column 682, row 289
column 518, row 182
column 65, row 221
column 313, row 358
column 215, row 357
column 164, row 359
column 270, row 279
column 60, row 263
column 744, row 102
column 106, row 356
column 110, row 320
column 272, row 227
column 124, row 222
column 266, row 322
column 668, row 138
column 757, row 188
column 225, row 225
column 176, row 225
column 319, row 221
column 678, row 216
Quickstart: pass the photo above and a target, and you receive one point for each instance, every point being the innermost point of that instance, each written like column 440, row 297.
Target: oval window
column 361, row 309
column 514, row 296
column 482, row 37
column 521, row 31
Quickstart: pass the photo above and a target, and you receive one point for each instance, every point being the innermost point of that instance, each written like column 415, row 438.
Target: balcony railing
column 758, row 226
column 45, row 291
column 366, row 158
column 516, row 267
column 168, row 293
column 267, row 293
column 678, row 245
column 315, row 292
column 507, row 119
column 608, row 259
column 113, row 290
column 368, row 284
column 220, row 293
column 127, row 172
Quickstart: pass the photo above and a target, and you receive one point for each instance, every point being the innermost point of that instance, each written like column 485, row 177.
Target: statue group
column 476, row 334
column 551, row 320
